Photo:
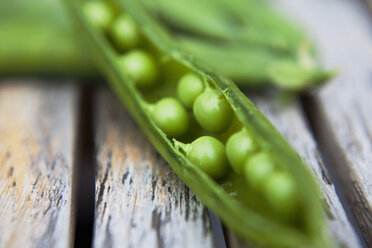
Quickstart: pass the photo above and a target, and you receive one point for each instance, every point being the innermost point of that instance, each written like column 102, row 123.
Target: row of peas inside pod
column 195, row 116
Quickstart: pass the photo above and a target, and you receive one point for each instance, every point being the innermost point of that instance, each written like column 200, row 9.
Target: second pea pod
column 213, row 137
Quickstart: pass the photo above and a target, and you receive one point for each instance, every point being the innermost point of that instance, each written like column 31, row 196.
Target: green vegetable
column 171, row 117
column 202, row 164
column 189, row 88
column 280, row 191
column 99, row 14
column 125, row 33
column 212, row 111
column 258, row 66
column 244, row 39
column 238, row 147
column 209, row 154
column 257, row 169
column 140, row 66
column 251, row 22
column 37, row 38
column 293, row 76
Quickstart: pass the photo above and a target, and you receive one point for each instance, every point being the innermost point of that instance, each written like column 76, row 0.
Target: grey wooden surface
column 139, row 202
column 341, row 111
column 291, row 122
column 37, row 131
column 114, row 146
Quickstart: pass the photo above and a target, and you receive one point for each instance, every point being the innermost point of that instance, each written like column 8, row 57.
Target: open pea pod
column 224, row 149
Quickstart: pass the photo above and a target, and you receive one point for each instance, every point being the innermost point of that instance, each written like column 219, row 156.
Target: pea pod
column 37, row 38
column 249, row 22
column 197, row 154
column 259, row 46
column 245, row 40
column 258, row 66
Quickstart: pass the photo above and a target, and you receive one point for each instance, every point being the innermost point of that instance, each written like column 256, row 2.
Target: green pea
column 257, row 169
column 212, row 111
column 125, row 33
column 238, row 147
column 209, row 154
column 280, row 191
column 141, row 66
column 171, row 117
column 190, row 86
column 99, row 14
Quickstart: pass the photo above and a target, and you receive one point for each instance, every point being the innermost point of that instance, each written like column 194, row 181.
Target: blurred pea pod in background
column 37, row 37
column 246, row 40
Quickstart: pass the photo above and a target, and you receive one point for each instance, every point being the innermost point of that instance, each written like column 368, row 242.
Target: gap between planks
column 84, row 172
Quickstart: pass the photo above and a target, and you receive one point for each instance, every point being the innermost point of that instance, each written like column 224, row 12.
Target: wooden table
column 74, row 167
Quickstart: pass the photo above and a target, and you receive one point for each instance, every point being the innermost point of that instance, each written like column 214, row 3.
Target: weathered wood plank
column 37, row 130
column 289, row 119
column 342, row 113
column 369, row 4
column 140, row 202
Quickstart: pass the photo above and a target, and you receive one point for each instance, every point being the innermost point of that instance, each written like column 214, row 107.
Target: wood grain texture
column 289, row 120
column 37, row 124
column 342, row 109
column 140, row 202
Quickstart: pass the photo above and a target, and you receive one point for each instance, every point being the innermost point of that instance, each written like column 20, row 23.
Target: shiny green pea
column 125, row 33
column 280, row 192
column 141, row 66
column 212, row 111
column 99, row 14
column 238, row 147
column 171, row 117
column 190, row 86
column 209, row 154
column 257, row 169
